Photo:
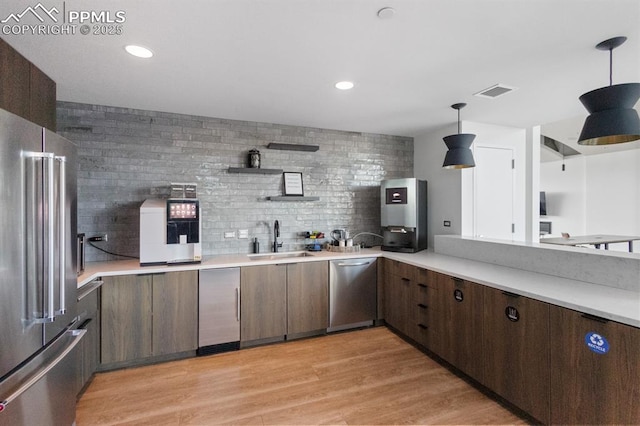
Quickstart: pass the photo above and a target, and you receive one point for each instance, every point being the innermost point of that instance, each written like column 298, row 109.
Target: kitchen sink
column 282, row 255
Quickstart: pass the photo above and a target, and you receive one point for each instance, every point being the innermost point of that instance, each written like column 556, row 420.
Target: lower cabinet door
column 90, row 350
column 263, row 302
column 148, row 315
column 459, row 324
column 399, row 309
column 307, row 297
column 175, row 312
column 89, row 346
column 126, row 318
column 516, row 350
column 595, row 370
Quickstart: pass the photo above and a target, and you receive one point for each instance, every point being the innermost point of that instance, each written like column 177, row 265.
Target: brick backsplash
column 128, row 155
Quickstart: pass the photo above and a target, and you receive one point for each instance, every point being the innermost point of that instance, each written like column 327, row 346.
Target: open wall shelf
column 293, row 147
column 255, row 171
column 292, row 198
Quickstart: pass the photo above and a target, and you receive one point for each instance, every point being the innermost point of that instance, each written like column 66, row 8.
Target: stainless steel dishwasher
column 352, row 293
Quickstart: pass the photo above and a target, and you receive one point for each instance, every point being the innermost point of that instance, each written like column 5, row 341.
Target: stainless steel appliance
column 170, row 231
column 352, row 293
column 37, row 275
column 404, row 214
column 218, row 310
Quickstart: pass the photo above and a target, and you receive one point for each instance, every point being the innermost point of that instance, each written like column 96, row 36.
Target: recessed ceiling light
column 139, row 51
column 344, row 85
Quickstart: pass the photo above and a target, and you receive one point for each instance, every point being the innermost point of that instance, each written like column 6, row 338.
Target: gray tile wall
column 128, row 155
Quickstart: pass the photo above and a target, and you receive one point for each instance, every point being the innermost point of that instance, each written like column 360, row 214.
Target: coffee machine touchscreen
column 182, row 210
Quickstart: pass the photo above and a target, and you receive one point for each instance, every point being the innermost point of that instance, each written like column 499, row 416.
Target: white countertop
column 607, row 302
column 125, row 267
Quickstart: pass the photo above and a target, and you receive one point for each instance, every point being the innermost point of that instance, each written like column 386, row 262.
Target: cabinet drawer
column 399, row 269
column 424, row 277
column 422, row 293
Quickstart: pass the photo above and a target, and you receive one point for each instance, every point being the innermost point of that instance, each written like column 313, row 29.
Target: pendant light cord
column 458, row 120
column 611, row 67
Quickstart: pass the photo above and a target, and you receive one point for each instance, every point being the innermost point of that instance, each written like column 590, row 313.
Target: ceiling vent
column 494, row 91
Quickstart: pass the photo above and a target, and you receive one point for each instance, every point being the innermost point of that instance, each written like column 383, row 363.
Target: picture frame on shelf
column 293, row 184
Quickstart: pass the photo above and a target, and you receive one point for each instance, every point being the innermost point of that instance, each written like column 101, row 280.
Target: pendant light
column 459, row 155
column 612, row 118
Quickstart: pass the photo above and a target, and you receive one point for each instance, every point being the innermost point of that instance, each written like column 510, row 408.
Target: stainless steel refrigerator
column 37, row 275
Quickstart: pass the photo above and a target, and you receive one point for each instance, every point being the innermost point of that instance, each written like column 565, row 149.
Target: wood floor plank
column 363, row 377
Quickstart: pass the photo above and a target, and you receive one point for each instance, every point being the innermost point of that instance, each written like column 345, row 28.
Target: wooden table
column 594, row 240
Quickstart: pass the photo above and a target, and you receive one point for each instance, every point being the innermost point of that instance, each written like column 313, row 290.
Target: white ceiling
column 277, row 60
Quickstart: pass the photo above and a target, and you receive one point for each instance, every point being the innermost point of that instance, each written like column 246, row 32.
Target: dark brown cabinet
column 15, row 72
column 516, row 350
column 175, row 312
column 595, row 370
column 410, row 301
column 307, row 297
column 399, row 282
column 263, row 302
column 126, row 318
column 558, row 365
column 283, row 300
column 42, row 99
column 148, row 315
column 25, row 90
column 459, row 325
column 425, row 309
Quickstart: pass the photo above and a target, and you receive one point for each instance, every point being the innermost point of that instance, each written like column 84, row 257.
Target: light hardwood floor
column 368, row 376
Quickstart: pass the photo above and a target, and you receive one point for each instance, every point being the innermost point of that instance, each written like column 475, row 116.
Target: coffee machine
column 170, row 232
column 404, row 214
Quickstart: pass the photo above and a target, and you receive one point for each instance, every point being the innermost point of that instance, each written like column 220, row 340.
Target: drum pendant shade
column 459, row 155
column 612, row 118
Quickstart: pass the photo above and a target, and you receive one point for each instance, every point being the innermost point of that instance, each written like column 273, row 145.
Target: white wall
column 597, row 194
column 443, row 187
column 565, row 192
column 532, row 183
column 451, row 193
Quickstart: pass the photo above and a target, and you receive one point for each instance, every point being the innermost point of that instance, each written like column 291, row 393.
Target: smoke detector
column 386, row 13
column 495, row 91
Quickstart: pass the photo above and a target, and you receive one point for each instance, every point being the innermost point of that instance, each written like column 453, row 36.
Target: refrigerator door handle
column 75, row 336
column 47, row 314
column 51, row 258
column 62, row 202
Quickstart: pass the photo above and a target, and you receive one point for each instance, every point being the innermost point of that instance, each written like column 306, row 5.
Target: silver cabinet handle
column 238, row 303
column 88, row 288
column 75, row 336
column 354, row 264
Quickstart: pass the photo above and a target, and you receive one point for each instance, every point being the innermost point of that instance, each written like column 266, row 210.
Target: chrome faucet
column 276, row 234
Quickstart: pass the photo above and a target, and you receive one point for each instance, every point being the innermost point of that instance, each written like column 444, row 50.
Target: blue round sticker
column 596, row 343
